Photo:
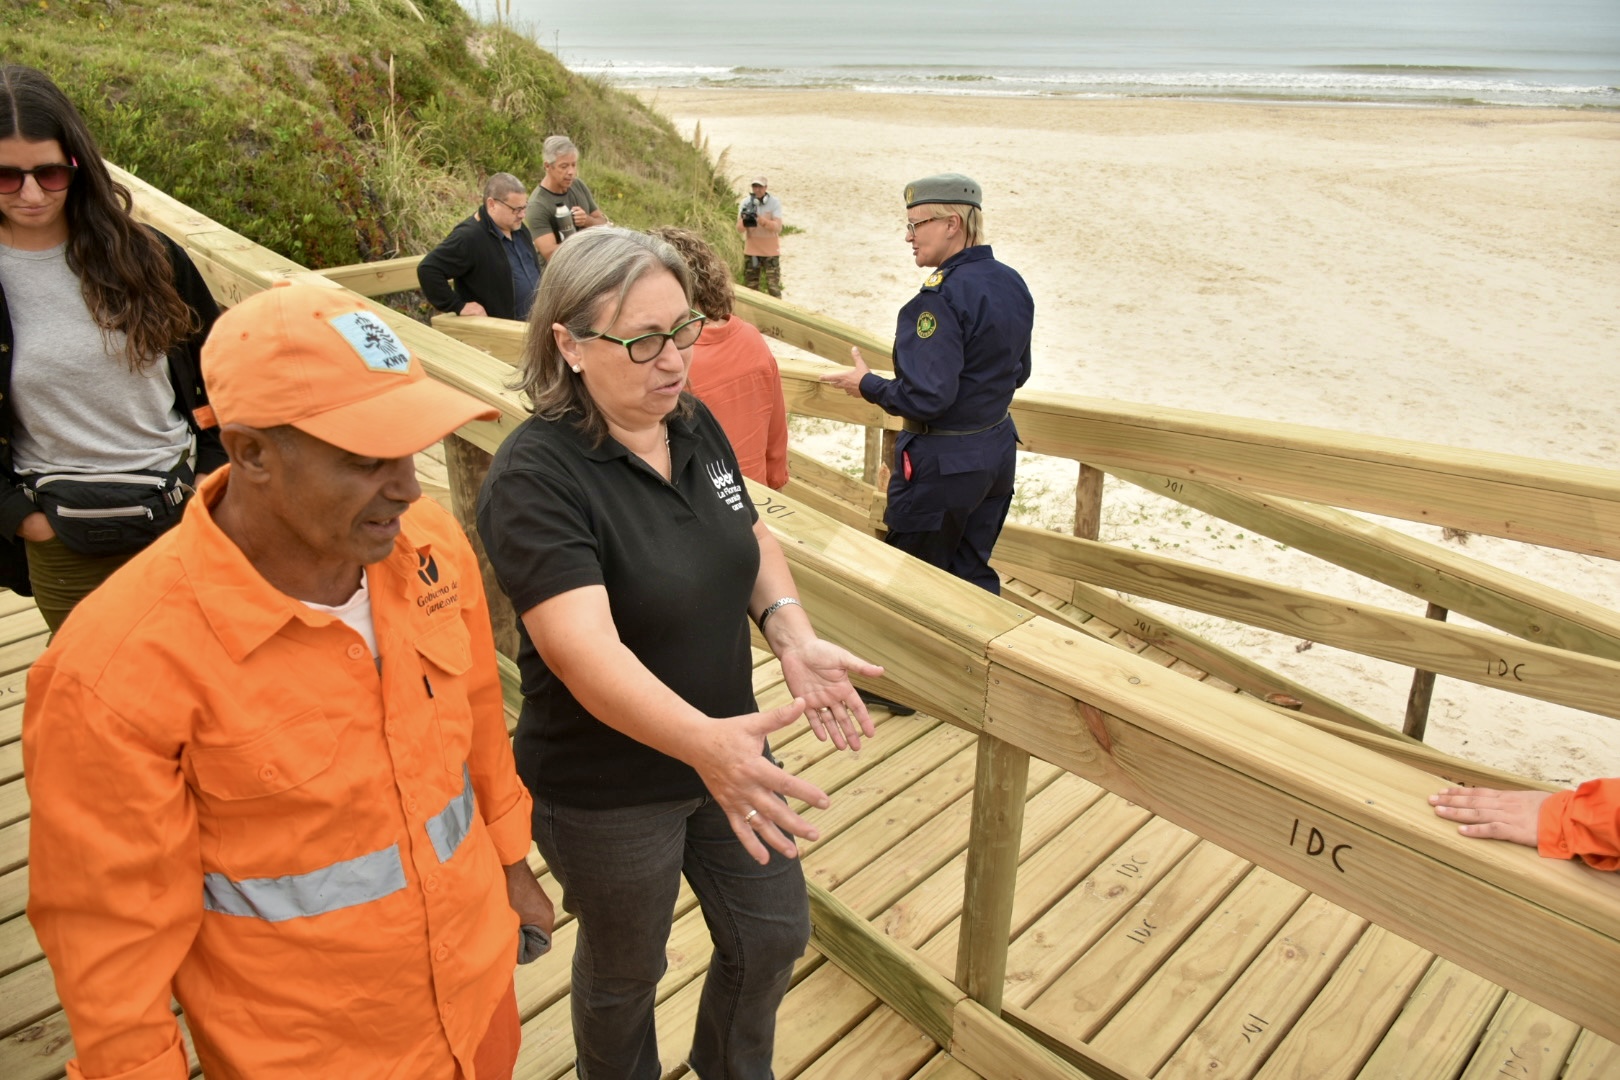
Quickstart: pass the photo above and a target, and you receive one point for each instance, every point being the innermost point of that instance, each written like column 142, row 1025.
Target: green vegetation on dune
column 338, row 131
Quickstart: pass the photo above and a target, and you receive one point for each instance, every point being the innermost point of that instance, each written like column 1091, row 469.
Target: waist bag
column 112, row 513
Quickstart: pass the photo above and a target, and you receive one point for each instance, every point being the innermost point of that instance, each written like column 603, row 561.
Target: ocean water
column 1560, row 53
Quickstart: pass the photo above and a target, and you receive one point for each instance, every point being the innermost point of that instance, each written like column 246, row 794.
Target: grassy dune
column 338, row 131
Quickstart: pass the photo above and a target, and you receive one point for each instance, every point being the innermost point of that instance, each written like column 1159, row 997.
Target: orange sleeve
column 776, row 437
column 1584, row 824
column 503, row 802
column 115, row 876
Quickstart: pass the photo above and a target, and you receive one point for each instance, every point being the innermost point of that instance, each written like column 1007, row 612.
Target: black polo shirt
column 678, row 560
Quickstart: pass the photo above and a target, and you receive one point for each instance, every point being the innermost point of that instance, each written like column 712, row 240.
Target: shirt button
column 357, row 652
column 410, row 804
column 448, row 1009
column 267, row 773
column 442, row 953
column 430, row 883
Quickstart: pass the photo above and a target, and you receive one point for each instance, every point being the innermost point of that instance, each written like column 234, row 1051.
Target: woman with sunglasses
column 616, row 520
column 101, row 320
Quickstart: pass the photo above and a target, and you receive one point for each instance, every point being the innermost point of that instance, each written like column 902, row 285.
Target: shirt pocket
column 286, row 756
column 446, row 654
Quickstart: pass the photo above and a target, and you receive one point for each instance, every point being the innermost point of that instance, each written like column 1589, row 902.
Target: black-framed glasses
column 48, row 177
column 518, row 210
column 645, row 348
column 912, row 226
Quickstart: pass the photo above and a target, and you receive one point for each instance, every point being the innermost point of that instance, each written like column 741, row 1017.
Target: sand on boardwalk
column 1449, row 275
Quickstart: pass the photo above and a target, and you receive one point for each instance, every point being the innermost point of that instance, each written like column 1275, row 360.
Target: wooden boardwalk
column 1172, row 956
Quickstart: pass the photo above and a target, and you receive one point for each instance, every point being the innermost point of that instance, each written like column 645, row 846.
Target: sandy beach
column 1449, row 275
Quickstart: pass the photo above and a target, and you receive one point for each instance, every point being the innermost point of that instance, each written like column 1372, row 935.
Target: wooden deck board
column 1128, row 931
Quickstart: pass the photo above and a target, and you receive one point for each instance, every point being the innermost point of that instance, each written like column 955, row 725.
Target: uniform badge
column 934, row 279
column 926, row 324
column 910, row 190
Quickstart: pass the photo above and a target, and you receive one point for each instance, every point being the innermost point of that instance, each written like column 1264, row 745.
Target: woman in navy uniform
column 961, row 348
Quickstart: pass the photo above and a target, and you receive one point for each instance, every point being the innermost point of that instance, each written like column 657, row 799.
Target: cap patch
column 372, row 340
column 926, row 324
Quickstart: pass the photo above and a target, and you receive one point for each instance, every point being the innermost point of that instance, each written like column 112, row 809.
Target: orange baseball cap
column 322, row 361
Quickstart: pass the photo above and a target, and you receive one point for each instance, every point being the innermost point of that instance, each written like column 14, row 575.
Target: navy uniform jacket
column 962, row 345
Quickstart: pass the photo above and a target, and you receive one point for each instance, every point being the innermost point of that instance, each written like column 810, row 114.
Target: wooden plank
column 10, row 761
column 1575, row 507
column 13, row 846
column 825, row 337
column 27, row 996
column 39, row 1051
column 21, row 625
column 1495, row 597
column 1593, row 1058
column 1049, row 945
column 884, row 1046
column 986, row 1043
column 1083, row 998
column 1251, row 1019
column 1347, row 1019
column 13, row 892
column 1477, row 656
column 1000, row 780
column 1523, row 1041
column 377, row 278
column 1566, row 506
column 1217, row 660
column 1149, row 1027
column 945, row 1067
column 817, row 1013
column 807, row 395
column 1436, row 1032
column 13, row 801
column 1292, row 799
column 500, row 338
column 18, row 945
column 896, row 976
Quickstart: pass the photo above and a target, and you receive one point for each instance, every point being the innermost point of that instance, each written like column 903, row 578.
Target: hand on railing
column 850, row 381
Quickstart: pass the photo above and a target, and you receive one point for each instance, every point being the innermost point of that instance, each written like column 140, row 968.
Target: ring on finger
column 749, row 817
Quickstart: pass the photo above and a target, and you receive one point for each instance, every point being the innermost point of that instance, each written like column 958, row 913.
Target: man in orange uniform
column 1583, row 824
column 268, row 763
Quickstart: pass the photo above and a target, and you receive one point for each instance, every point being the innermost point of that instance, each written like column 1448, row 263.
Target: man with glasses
column 490, row 257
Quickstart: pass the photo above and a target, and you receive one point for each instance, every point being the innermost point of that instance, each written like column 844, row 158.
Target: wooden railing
column 1250, row 777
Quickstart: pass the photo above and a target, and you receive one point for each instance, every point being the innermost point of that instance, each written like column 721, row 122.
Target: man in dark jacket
column 490, row 257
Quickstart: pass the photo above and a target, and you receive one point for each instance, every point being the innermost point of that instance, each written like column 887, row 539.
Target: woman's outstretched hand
column 732, row 764
column 818, row 671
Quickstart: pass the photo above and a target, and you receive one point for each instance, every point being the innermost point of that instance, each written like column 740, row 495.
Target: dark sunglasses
column 48, row 177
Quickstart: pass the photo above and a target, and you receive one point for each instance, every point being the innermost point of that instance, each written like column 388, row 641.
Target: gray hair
column 555, row 147
column 973, row 226
column 583, row 290
column 502, row 184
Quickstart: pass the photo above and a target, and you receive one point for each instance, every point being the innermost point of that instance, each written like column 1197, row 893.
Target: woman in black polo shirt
column 617, row 522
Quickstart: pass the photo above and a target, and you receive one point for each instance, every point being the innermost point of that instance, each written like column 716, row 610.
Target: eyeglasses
column 514, row 209
column 646, row 348
column 913, row 226
column 48, row 177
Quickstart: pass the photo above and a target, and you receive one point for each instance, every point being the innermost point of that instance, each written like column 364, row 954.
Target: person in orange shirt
column 1580, row 824
column 733, row 371
column 269, row 767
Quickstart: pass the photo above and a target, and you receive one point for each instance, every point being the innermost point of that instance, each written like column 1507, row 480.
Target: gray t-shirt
column 79, row 408
column 543, row 208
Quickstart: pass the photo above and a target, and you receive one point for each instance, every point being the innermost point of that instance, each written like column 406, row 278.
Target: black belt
column 917, row 427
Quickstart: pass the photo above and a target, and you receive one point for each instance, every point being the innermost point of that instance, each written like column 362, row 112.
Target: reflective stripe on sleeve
column 449, row 827
column 359, row 880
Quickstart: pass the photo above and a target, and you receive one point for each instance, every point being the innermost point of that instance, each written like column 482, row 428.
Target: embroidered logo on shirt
column 926, row 324
column 725, row 484
column 378, row 347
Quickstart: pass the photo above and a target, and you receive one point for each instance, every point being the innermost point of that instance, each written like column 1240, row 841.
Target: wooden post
column 999, row 785
column 466, row 465
column 1088, row 502
column 1417, row 701
column 874, row 456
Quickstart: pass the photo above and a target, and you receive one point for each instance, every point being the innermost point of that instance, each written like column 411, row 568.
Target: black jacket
column 185, row 372
column 472, row 255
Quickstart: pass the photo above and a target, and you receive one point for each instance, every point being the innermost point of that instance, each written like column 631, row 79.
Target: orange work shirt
column 1584, row 824
column 234, row 803
column 735, row 375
